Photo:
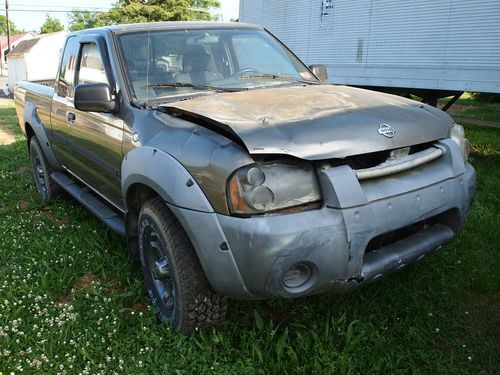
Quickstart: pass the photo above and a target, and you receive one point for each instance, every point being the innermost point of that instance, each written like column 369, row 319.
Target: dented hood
column 315, row 121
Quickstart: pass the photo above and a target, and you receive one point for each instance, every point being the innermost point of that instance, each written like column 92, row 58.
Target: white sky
column 31, row 13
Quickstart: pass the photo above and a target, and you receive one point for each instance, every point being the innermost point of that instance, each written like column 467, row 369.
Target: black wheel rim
column 160, row 271
column 39, row 174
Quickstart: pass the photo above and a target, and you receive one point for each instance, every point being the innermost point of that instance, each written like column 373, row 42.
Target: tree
column 51, row 25
column 3, row 27
column 137, row 11
column 79, row 20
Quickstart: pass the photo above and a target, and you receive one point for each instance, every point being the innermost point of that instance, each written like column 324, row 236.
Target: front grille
column 450, row 218
column 373, row 159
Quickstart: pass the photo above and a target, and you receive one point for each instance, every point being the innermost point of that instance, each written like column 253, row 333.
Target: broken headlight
column 259, row 188
column 457, row 134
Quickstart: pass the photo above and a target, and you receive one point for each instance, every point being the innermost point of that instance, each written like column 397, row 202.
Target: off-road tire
column 196, row 307
column 46, row 187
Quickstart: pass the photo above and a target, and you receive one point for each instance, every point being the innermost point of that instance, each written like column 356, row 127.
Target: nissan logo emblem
column 386, row 130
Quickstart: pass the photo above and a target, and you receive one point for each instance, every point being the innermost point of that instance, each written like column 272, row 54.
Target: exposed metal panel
column 446, row 44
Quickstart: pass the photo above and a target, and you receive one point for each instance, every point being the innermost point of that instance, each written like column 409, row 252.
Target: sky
column 30, row 14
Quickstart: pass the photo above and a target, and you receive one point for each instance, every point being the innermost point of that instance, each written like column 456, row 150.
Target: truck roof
column 118, row 29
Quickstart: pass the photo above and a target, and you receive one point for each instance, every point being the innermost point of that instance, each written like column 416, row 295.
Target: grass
column 468, row 106
column 71, row 301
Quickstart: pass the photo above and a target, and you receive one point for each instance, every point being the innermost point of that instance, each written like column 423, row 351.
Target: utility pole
column 8, row 22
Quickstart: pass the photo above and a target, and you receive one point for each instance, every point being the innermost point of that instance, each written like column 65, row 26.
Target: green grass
column 468, row 106
column 71, row 300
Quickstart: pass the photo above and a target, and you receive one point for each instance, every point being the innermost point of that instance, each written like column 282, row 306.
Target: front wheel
column 176, row 284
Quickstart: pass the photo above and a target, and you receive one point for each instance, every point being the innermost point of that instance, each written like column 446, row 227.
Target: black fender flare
column 30, row 117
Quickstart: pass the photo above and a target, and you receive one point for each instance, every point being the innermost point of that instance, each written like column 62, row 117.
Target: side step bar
column 111, row 218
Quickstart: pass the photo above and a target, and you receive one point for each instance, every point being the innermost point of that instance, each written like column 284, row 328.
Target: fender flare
column 164, row 174
column 30, row 117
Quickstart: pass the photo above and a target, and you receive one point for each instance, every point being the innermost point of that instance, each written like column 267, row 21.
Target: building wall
column 40, row 62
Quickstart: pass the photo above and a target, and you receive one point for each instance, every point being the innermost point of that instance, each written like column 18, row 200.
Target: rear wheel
column 176, row 284
column 47, row 188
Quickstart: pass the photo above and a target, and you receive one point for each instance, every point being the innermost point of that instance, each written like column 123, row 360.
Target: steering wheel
column 245, row 70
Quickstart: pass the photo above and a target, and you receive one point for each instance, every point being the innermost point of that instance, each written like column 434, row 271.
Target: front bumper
column 250, row 257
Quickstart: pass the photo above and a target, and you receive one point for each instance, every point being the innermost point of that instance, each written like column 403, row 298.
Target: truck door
column 63, row 93
column 96, row 138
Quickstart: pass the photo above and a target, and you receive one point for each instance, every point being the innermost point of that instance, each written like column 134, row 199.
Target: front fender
column 164, row 174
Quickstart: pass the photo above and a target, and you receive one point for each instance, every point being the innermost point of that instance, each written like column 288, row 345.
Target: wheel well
column 137, row 194
column 29, row 132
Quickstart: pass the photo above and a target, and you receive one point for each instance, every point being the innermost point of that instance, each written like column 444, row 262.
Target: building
column 25, row 60
column 14, row 41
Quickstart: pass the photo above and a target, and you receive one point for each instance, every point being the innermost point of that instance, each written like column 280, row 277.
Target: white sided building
column 35, row 59
column 449, row 45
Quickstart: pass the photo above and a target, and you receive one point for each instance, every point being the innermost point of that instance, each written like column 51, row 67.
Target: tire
column 176, row 284
column 46, row 187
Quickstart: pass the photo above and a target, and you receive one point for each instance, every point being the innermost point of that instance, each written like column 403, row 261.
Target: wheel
column 176, row 285
column 47, row 188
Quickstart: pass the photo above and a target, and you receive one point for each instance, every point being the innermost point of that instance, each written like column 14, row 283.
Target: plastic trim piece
column 400, row 164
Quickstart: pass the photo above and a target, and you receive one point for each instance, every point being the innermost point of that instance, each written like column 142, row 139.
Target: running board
column 111, row 218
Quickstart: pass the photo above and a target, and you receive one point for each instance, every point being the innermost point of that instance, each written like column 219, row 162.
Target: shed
column 35, row 59
column 14, row 41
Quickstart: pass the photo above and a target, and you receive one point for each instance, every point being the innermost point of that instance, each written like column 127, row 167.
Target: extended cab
column 234, row 171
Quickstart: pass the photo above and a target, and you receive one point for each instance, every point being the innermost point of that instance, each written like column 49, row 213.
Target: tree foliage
column 3, row 27
column 79, row 20
column 138, row 11
column 51, row 25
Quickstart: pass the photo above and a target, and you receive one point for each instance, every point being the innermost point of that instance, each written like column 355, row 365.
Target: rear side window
column 67, row 68
column 91, row 66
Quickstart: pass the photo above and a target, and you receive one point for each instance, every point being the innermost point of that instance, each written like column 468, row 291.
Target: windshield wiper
column 266, row 75
column 277, row 77
column 186, row 84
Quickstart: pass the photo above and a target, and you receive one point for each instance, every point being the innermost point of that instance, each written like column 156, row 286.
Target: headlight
column 259, row 188
column 457, row 133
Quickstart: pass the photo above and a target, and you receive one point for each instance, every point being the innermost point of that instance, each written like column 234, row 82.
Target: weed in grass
column 72, row 302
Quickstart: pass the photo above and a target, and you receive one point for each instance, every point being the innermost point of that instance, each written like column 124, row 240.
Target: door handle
column 71, row 118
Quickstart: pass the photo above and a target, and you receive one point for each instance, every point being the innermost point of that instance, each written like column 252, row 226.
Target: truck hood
column 315, row 121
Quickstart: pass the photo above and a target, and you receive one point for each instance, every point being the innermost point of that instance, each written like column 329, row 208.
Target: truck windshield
column 170, row 63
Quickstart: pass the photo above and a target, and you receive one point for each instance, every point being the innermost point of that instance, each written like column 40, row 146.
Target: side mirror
column 320, row 72
column 94, row 97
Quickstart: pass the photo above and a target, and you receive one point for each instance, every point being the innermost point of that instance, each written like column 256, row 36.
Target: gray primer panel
column 206, row 235
column 141, row 166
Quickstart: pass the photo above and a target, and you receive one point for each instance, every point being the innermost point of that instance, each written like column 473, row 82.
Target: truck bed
column 38, row 94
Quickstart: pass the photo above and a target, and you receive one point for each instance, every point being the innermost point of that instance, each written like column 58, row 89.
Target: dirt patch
column 61, row 222
column 83, row 283
column 6, row 138
column 22, row 170
column 22, row 205
column 136, row 308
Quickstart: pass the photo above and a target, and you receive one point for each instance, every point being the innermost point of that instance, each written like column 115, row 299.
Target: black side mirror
column 320, row 72
column 94, row 97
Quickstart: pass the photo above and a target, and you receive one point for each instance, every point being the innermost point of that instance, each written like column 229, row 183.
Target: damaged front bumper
column 365, row 230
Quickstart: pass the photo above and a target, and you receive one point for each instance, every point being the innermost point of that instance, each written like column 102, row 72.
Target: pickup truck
column 233, row 171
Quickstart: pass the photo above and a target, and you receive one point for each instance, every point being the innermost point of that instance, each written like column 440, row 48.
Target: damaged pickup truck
column 234, row 171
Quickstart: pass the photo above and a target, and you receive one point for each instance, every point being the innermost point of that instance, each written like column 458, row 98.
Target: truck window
column 91, row 66
column 67, row 68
